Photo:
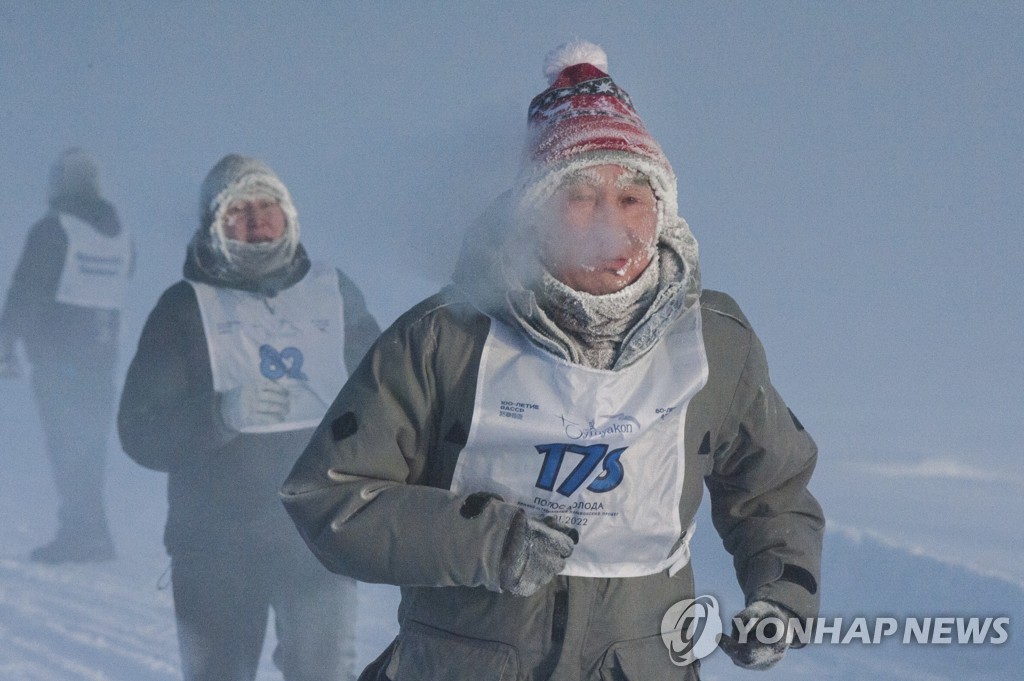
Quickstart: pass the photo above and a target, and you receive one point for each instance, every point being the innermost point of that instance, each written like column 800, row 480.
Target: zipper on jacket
column 560, row 616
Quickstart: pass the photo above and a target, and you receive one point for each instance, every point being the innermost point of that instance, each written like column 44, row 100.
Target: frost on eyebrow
column 631, row 178
column 578, row 178
column 589, row 176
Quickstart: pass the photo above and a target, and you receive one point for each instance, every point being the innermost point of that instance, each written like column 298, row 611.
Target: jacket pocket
column 644, row 659
column 427, row 654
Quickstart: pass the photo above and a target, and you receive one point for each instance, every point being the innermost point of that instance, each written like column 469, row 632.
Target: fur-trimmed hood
column 210, row 258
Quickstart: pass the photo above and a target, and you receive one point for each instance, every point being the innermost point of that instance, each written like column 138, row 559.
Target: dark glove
column 752, row 653
column 534, row 552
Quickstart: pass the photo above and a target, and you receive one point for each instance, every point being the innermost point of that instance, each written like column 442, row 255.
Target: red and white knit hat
column 584, row 119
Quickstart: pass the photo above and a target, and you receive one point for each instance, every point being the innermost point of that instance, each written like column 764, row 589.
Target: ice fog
column 851, row 174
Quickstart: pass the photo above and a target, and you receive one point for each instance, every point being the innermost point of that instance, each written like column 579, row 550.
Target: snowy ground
column 114, row 621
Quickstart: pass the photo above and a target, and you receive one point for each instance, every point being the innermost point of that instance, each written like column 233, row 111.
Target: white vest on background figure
column 96, row 266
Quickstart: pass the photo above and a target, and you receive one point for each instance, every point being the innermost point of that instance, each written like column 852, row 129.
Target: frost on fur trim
column 572, row 53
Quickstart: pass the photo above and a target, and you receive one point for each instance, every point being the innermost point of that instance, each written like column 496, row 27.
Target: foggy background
column 852, row 171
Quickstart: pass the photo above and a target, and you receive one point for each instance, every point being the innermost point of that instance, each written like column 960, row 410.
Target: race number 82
column 287, row 362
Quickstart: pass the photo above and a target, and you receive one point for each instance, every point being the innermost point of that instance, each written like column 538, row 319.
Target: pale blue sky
column 852, row 170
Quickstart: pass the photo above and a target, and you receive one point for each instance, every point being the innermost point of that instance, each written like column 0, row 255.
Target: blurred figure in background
column 236, row 365
column 64, row 305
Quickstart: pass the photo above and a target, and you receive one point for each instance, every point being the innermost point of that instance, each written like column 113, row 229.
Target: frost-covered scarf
column 597, row 325
column 205, row 264
column 557, row 323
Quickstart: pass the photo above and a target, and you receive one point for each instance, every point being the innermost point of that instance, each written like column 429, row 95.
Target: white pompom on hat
column 572, row 53
column 584, row 119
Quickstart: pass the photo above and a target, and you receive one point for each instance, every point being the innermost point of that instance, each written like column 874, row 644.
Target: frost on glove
column 534, row 552
column 258, row 404
column 746, row 648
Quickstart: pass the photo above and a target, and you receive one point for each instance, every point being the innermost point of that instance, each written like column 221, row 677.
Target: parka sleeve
column 168, row 412
column 761, row 507
column 358, row 494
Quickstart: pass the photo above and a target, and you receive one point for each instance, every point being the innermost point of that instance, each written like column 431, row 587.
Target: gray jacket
column 371, row 497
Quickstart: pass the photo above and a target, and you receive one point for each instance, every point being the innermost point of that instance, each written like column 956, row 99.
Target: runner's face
column 599, row 231
column 257, row 220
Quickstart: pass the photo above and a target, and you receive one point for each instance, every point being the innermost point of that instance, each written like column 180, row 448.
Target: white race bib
column 600, row 450
column 96, row 266
column 295, row 338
